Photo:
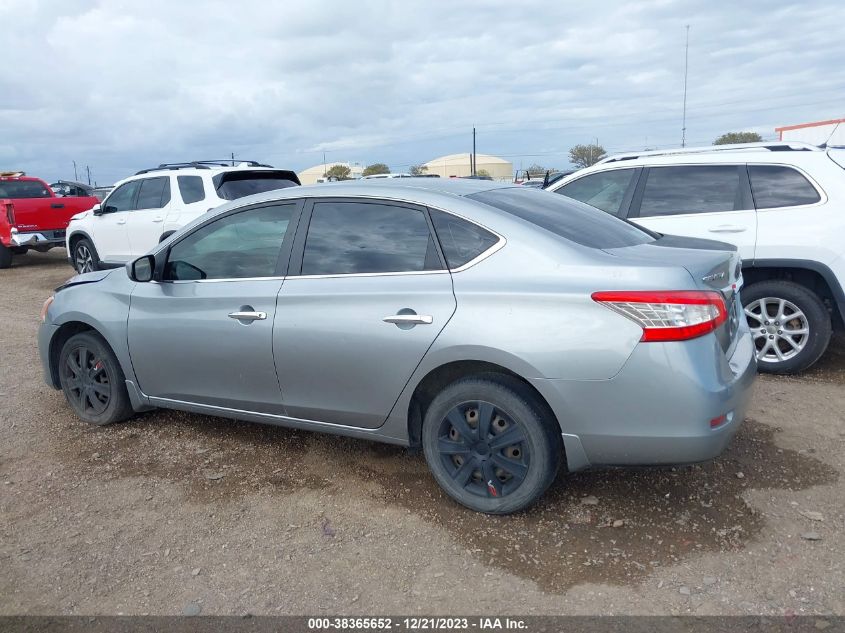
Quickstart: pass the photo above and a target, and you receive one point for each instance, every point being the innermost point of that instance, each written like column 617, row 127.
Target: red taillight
column 677, row 315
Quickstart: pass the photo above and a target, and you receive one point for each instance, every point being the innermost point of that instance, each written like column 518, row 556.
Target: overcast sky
column 121, row 86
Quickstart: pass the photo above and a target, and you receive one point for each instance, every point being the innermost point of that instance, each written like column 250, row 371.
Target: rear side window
column 358, row 237
column 23, row 189
column 154, row 193
column 460, row 240
column 691, row 189
column 567, row 218
column 191, row 189
column 778, row 186
column 604, row 190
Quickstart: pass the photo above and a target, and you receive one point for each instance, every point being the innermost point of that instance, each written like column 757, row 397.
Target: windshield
column 575, row 221
column 23, row 189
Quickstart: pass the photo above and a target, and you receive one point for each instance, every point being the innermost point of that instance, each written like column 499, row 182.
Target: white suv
column 145, row 208
column 782, row 204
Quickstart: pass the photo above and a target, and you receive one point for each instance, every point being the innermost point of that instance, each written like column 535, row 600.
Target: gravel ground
column 176, row 513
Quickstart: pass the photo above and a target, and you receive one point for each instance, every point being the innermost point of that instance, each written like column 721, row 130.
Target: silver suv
column 145, row 208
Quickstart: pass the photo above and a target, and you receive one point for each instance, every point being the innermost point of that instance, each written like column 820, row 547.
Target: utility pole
column 686, row 70
column 233, row 159
column 88, row 169
column 324, row 164
column 472, row 163
column 75, row 177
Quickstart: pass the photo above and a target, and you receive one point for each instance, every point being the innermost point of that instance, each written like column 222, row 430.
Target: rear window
column 191, row 189
column 23, row 189
column 565, row 217
column 777, row 186
column 234, row 185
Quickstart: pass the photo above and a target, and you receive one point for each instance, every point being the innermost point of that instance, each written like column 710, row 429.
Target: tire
column 473, row 469
column 20, row 250
column 84, row 255
column 5, row 256
column 92, row 380
column 781, row 350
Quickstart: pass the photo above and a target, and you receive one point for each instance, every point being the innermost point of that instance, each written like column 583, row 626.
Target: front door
column 111, row 237
column 204, row 332
column 371, row 296
column 146, row 222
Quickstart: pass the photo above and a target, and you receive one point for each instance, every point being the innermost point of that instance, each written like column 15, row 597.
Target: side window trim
column 627, row 198
column 282, row 263
column 298, row 251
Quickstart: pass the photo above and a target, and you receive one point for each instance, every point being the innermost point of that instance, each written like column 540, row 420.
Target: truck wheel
column 790, row 325
column 85, row 259
column 5, row 256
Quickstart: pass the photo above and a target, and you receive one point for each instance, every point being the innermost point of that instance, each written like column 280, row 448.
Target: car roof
column 424, row 191
column 779, row 152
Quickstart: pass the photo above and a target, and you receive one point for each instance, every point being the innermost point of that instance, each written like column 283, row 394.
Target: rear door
column 369, row 295
column 706, row 201
column 111, row 238
column 146, row 222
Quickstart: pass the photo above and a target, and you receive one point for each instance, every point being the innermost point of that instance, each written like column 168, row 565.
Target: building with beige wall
column 459, row 165
column 313, row 174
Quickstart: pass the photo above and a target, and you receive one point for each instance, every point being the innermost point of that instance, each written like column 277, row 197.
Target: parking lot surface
column 175, row 513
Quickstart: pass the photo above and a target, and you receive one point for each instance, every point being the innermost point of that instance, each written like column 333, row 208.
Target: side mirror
column 97, row 209
column 141, row 269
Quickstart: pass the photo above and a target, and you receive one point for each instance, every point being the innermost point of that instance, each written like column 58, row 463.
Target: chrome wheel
column 83, row 259
column 86, row 381
column 483, row 450
column 780, row 329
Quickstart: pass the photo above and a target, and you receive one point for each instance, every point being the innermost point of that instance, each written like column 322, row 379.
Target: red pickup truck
column 33, row 216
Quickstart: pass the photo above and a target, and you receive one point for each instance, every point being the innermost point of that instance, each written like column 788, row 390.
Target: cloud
column 121, row 85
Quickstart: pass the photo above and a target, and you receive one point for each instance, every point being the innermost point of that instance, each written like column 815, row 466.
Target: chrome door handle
column 409, row 319
column 248, row 316
column 727, row 228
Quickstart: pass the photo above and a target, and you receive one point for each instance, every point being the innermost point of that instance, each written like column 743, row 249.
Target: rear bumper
column 658, row 408
column 48, row 238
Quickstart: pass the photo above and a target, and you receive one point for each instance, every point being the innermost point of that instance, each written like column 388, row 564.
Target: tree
column 418, row 170
column 483, row 172
column 338, row 172
column 376, row 168
column 536, row 170
column 738, row 137
column 586, row 155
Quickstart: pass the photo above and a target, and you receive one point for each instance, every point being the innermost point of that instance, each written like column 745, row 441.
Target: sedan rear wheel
column 489, row 445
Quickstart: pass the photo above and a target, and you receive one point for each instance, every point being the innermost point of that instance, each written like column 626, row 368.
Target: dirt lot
column 176, row 513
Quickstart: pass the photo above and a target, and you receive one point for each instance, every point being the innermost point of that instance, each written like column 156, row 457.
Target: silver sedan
column 506, row 331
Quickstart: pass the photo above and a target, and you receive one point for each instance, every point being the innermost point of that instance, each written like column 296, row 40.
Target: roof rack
column 204, row 164
column 773, row 146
